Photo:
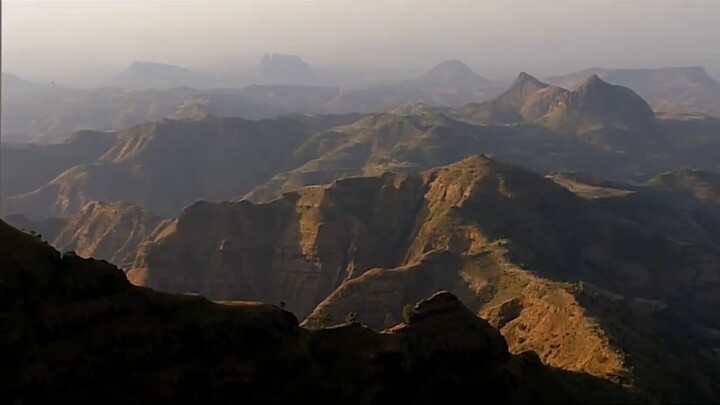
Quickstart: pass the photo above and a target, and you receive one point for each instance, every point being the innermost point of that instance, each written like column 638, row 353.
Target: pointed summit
column 595, row 103
column 526, row 99
column 594, row 78
column 453, row 72
column 521, row 89
column 594, row 81
column 525, row 78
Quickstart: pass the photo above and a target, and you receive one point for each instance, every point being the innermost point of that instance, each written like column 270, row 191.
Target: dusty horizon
column 75, row 41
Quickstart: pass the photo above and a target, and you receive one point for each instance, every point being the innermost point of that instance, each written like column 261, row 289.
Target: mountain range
column 163, row 166
column 593, row 104
column 81, row 331
column 567, row 276
column 150, row 91
column 550, row 243
column 151, row 75
column 41, row 115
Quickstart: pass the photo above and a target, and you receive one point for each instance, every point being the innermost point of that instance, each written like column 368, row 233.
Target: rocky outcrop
column 80, row 331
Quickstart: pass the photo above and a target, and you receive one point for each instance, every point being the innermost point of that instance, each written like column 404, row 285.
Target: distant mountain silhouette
column 454, row 73
column 13, row 85
column 150, row 75
column 598, row 103
column 673, row 89
column 595, row 103
column 285, row 69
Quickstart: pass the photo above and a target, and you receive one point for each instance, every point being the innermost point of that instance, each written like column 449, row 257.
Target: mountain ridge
column 682, row 90
column 594, row 103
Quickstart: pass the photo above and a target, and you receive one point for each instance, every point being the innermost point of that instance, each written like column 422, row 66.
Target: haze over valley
column 254, row 201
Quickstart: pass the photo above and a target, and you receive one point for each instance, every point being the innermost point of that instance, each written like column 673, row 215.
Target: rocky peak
column 594, row 80
column 443, row 321
column 594, row 83
column 442, row 302
column 521, row 89
column 525, row 79
column 598, row 100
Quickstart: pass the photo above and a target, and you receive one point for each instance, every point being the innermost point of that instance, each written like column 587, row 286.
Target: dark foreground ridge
column 76, row 331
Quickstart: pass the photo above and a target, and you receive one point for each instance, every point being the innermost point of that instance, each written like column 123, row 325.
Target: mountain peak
column 454, row 66
column 473, row 160
column 594, row 80
column 144, row 66
column 286, row 69
column 521, row 89
column 455, row 72
column 598, row 101
column 526, row 78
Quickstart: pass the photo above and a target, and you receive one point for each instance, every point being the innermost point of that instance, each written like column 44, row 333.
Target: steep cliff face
column 296, row 249
column 79, row 331
column 110, row 231
column 504, row 240
column 107, row 231
column 572, row 326
column 303, row 246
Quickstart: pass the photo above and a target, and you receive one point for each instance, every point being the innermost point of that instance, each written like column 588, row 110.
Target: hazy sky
column 498, row 38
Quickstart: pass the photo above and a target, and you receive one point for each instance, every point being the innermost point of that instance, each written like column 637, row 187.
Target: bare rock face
column 297, row 249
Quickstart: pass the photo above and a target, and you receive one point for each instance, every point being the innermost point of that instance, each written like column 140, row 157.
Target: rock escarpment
column 509, row 243
column 303, row 246
column 108, row 231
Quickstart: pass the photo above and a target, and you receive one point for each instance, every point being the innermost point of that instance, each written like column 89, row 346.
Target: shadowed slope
column 79, row 332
